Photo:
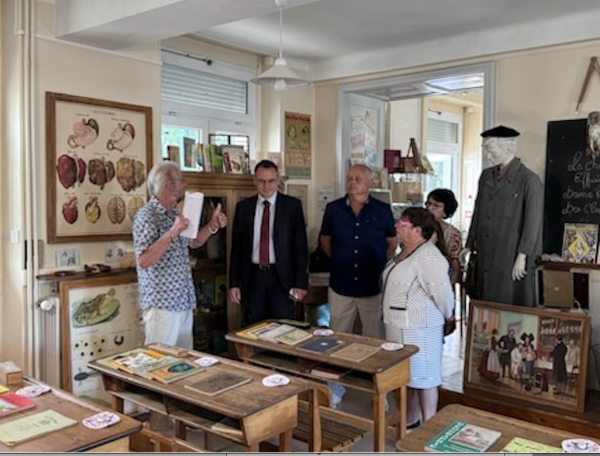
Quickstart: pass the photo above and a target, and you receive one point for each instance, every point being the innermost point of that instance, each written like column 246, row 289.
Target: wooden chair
column 338, row 430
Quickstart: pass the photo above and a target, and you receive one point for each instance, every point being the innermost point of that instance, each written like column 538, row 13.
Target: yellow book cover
column 521, row 445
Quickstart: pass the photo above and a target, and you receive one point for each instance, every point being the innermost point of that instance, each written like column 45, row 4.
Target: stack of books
column 276, row 332
column 152, row 365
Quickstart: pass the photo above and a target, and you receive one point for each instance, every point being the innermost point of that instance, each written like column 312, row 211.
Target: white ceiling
column 336, row 38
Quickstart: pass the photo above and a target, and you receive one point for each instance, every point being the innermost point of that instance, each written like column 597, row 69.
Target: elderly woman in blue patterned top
column 417, row 299
column 166, row 287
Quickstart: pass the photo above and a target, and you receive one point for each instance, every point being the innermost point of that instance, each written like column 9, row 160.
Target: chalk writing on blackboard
column 572, row 184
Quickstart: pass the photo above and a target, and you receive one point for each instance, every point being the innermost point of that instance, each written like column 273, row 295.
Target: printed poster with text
column 298, row 147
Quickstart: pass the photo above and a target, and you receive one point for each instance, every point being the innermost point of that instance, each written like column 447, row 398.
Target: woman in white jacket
column 417, row 299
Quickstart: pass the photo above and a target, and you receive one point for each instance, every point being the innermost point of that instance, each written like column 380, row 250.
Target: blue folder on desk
column 321, row 344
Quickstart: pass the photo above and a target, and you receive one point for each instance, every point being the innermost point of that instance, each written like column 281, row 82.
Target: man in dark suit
column 269, row 252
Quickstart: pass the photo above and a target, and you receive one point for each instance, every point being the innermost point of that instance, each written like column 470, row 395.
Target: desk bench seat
column 336, row 436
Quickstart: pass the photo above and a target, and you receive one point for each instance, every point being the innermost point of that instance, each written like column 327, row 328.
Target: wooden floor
column 587, row 423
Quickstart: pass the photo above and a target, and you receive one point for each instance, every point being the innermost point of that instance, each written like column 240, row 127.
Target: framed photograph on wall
column 527, row 355
column 99, row 317
column 98, row 153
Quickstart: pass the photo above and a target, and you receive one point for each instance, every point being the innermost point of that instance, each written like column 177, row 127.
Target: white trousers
column 169, row 327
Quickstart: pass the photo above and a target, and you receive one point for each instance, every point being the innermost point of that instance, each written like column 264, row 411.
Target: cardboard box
column 558, row 289
column 10, row 374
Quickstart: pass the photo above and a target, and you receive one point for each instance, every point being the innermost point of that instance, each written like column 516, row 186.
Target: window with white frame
column 201, row 99
column 444, row 133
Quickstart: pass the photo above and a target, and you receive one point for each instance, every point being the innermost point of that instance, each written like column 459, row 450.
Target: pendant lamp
column 280, row 76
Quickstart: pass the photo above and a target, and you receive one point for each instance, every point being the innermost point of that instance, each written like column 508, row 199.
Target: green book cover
column 462, row 437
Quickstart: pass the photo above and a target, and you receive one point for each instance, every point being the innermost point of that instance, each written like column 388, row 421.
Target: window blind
column 207, row 90
column 442, row 131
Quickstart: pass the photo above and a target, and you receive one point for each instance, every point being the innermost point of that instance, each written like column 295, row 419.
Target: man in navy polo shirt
column 359, row 236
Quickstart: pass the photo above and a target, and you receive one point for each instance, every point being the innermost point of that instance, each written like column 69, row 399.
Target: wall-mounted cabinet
column 216, row 315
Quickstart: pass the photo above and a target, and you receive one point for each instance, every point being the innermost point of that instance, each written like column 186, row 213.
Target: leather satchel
column 412, row 162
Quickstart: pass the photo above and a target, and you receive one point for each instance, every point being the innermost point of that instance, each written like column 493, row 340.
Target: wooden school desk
column 78, row 438
column 381, row 373
column 261, row 412
column 509, row 427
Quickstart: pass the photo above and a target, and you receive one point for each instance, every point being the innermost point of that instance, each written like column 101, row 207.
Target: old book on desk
column 356, row 352
column 218, row 383
column 32, row 426
column 274, row 333
column 331, row 372
column 253, row 332
column 170, row 350
column 174, row 371
column 13, row 403
column 462, row 437
column 521, row 445
column 321, row 344
column 139, row 361
column 294, row 337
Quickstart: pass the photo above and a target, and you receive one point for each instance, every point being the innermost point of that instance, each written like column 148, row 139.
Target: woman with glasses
column 417, row 300
column 442, row 203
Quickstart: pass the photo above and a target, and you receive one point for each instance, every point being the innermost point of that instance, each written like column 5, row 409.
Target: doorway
column 430, row 99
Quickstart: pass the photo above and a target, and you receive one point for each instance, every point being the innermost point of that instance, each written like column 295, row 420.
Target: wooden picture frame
column 392, row 160
column 546, row 373
column 381, row 178
column 99, row 317
column 99, row 154
column 300, row 191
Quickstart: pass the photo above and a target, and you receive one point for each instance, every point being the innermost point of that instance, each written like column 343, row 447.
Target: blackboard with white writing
column 572, row 186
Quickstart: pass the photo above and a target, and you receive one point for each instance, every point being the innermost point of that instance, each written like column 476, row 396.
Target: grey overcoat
column 507, row 220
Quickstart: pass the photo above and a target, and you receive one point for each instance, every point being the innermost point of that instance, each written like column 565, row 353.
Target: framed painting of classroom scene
column 527, row 355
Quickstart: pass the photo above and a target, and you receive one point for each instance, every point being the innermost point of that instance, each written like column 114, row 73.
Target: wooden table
column 509, row 427
column 381, row 373
column 261, row 412
column 74, row 438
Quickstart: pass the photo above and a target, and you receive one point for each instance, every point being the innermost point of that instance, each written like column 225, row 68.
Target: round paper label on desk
column 101, row 420
column 206, row 361
column 580, row 446
column 33, row 390
column 323, row 332
column 392, row 346
column 275, row 380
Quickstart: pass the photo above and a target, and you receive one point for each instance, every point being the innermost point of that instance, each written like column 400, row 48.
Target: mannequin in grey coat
column 506, row 230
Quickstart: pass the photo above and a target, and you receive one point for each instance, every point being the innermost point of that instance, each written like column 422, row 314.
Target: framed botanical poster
column 99, row 154
column 100, row 316
column 527, row 355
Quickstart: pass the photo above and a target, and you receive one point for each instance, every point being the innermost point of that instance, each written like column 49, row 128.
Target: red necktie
column 264, row 236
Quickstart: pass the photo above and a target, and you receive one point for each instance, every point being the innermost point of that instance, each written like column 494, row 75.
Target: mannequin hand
column 462, row 256
column 519, row 271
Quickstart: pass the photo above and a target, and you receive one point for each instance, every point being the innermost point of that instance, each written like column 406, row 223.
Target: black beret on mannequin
column 500, row 132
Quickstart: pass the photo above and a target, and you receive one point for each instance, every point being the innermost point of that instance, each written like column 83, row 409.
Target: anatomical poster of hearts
column 100, row 317
column 99, row 155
